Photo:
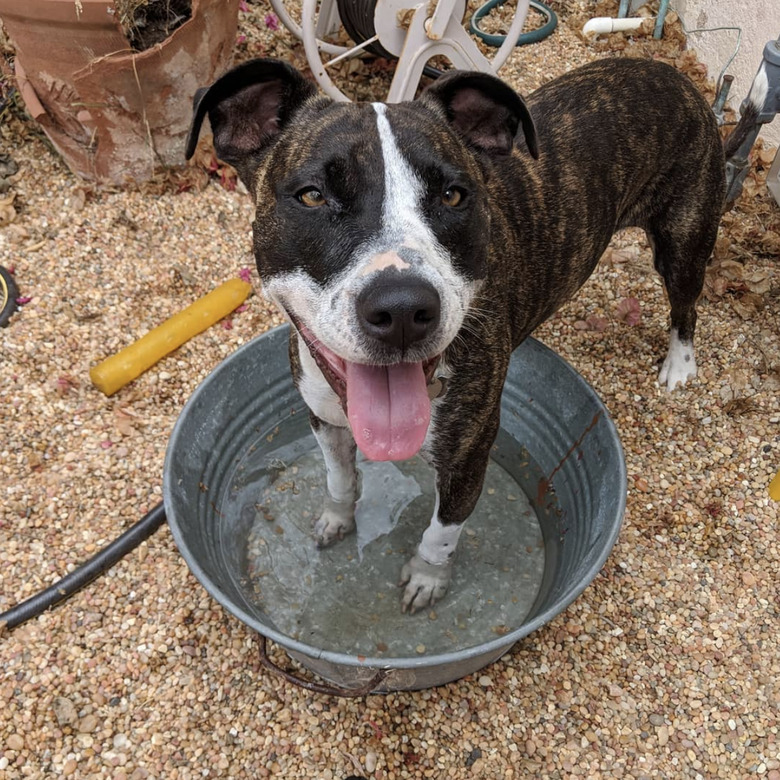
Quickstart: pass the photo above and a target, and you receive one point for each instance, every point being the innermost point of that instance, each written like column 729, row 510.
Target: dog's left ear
column 248, row 107
column 483, row 109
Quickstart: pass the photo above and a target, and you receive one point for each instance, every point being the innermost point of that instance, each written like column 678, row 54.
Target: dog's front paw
column 334, row 523
column 425, row 583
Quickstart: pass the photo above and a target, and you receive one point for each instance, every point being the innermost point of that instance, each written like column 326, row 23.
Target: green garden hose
column 534, row 36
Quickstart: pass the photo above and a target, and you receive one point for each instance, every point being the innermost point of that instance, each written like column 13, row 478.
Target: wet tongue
column 388, row 409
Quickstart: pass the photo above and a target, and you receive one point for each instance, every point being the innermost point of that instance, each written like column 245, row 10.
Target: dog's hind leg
column 682, row 247
column 338, row 448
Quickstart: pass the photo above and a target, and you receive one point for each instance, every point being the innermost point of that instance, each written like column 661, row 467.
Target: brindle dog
column 414, row 246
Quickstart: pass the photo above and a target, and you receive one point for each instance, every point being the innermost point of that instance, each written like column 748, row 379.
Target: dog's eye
column 452, row 196
column 311, row 197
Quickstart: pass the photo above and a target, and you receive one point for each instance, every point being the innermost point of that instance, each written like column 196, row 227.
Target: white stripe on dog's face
column 403, row 189
column 404, row 240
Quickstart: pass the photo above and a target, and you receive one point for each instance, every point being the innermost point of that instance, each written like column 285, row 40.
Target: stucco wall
column 760, row 22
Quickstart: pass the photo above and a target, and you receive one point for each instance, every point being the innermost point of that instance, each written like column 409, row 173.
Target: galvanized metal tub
column 557, row 444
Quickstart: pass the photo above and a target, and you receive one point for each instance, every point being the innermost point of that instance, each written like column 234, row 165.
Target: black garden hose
column 357, row 16
column 98, row 564
column 9, row 292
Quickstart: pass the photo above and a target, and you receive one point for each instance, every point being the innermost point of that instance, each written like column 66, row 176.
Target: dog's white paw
column 677, row 370
column 680, row 363
column 334, row 523
column 673, row 375
column 425, row 583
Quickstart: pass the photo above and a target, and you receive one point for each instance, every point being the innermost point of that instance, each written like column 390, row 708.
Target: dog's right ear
column 248, row 107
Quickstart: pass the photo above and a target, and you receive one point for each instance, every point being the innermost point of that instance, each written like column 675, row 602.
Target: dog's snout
column 399, row 311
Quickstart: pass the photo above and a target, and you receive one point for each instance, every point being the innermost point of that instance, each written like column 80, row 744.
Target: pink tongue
column 388, row 409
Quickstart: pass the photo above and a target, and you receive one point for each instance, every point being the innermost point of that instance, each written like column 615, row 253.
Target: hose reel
column 410, row 31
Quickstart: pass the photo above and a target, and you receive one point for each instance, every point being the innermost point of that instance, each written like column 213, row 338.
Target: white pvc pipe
column 604, row 24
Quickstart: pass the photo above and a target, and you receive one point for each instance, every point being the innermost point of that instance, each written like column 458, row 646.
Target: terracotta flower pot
column 114, row 115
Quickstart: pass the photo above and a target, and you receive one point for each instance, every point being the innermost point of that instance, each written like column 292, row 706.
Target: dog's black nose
column 399, row 311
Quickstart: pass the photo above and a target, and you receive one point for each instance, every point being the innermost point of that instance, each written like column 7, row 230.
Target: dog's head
column 372, row 224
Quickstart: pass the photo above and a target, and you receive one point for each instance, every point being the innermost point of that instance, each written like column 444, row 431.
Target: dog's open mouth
column 388, row 407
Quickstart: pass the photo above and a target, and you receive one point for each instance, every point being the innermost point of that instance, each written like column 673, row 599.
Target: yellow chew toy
column 115, row 372
column 774, row 487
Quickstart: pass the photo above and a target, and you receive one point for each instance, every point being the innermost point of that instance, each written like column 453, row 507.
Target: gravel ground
column 667, row 667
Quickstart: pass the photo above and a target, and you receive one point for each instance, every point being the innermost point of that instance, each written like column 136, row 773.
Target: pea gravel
column 667, row 667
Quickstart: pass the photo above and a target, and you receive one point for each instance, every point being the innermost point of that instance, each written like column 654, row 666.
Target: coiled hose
column 533, row 36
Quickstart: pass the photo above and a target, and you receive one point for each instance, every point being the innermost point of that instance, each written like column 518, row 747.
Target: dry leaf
column 16, row 234
column 730, row 276
column 627, row 254
column 766, row 342
column 739, row 406
column 64, row 384
column 593, row 322
column 629, row 311
column 722, row 250
column 748, row 305
column 715, row 288
column 203, row 156
column 772, row 382
column 738, row 380
column 125, row 421
column 751, row 187
column 205, row 159
column 732, row 269
column 7, row 210
column 356, row 67
column 80, row 195
column 184, row 273
column 758, row 282
column 770, row 242
column 78, row 199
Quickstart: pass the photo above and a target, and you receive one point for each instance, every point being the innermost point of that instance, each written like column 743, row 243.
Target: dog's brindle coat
column 471, row 217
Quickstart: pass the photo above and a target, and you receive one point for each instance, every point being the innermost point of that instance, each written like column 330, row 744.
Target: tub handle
column 328, row 690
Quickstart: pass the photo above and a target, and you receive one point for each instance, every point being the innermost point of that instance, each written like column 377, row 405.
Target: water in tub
column 346, row 598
